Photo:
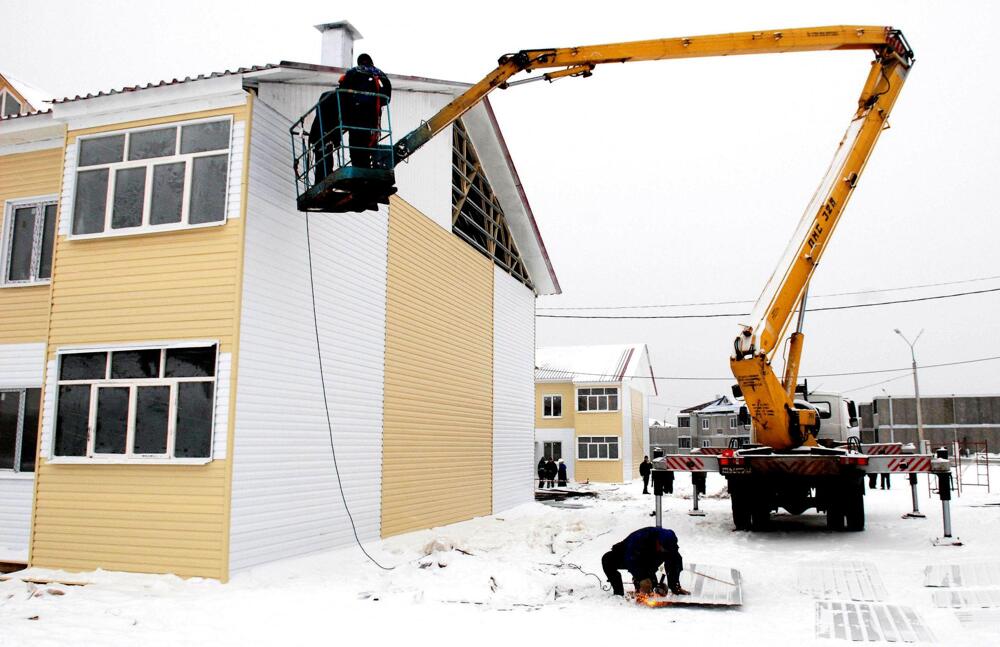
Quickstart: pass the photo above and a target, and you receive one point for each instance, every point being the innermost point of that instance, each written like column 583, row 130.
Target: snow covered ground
column 508, row 579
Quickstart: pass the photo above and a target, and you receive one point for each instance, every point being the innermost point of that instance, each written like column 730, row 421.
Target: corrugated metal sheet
column 15, row 515
column 24, row 310
column 438, row 441
column 286, row 499
column 513, row 391
column 21, row 365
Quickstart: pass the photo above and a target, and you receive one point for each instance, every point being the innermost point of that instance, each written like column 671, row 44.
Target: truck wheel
column 835, row 509
column 855, row 507
column 741, row 505
column 760, row 516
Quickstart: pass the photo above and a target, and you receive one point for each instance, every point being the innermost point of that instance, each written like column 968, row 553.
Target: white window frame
column 15, row 471
column 3, row 104
column 706, row 443
column 36, row 248
column 704, row 422
column 618, row 398
column 686, row 445
column 550, row 400
column 589, row 442
column 732, row 423
column 114, row 167
column 133, row 383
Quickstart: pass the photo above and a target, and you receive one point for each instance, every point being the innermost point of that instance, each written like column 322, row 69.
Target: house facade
column 591, row 409
column 226, row 381
column 712, row 424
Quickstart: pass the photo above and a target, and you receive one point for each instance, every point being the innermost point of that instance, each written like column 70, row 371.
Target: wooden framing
column 477, row 216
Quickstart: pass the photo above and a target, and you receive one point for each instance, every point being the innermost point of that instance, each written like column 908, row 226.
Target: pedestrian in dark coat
column 563, row 479
column 541, row 472
column 645, row 468
column 641, row 554
column 550, row 472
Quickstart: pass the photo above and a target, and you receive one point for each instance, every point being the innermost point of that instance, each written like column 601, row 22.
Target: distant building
column 591, row 409
column 967, row 419
column 709, row 424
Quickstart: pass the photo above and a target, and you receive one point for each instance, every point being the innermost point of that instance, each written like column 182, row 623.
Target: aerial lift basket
column 341, row 167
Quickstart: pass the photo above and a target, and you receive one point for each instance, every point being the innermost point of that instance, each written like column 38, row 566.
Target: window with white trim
column 29, row 228
column 732, row 422
column 597, row 399
column 151, row 179
column 684, row 442
column 19, row 429
column 9, row 105
column 136, row 403
column 597, row 448
column 706, row 443
column 552, row 406
column 704, row 423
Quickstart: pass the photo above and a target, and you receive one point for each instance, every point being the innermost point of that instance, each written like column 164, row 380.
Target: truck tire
column 835, row 508
column 741, row 505
column 854, row 508
column 760, row 514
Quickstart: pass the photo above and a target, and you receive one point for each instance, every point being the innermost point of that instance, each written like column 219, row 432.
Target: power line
column 720, row 315
column 816, row 375
column 868, row 386
column 811, row 296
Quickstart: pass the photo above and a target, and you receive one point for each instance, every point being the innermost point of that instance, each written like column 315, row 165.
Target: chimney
column 338, row 43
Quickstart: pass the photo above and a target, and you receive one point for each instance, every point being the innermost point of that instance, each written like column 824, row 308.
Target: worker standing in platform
column 641, row 554
column 362, row 108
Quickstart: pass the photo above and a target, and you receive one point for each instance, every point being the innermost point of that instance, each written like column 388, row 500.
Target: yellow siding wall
column 568, row 405
column 437, row 441
column 24, row 311
column 637, row 435
column 600, row 424
column 163, row 286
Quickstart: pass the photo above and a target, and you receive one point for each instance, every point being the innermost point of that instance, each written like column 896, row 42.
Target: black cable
column 719, row 315
column 326, row 403
column 734, row 302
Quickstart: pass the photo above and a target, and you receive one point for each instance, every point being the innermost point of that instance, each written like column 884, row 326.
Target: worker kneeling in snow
column 641, row 554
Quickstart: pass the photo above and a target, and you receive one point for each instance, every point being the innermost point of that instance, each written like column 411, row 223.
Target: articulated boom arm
column 580, row 61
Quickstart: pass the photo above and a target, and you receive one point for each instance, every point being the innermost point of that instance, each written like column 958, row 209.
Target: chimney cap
column 341, row 24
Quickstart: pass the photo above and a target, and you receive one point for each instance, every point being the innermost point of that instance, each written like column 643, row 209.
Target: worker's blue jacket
column 642, row 552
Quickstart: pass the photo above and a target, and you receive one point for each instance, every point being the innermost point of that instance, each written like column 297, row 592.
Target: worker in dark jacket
column 541, row 472
column 362, row 108
column 550, row 472
column 563, row 478
column 641, row 554
column 645, row 467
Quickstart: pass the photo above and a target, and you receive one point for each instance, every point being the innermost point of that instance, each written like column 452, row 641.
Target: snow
column 512, row 578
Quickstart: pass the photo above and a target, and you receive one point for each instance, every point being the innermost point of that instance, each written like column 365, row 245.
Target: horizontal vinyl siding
column 147, row 518
column 24, row 310
column 599, row 471
column 15, row 516
column 437, row 446
column 638, row 399
column 600, row 424
column 513, row 391
column 286, row 498
column 168, row 286
column 568, row 393
column 21, row 365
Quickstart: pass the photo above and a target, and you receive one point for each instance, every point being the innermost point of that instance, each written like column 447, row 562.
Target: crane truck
column 789, row 464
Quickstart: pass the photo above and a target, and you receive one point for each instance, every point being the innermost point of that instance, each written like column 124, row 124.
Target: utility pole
column 892, row 437
column 916, row 386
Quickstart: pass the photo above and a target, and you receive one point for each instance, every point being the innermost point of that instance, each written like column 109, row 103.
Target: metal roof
column 606, row 363
column 166, row 82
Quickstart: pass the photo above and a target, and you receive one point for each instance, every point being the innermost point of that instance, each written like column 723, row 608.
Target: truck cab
column 838, row 417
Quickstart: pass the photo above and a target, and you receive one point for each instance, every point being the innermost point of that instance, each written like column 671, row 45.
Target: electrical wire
column 719, row 315
column 811, row 296
column 891, row 379
column 731, row 378
column 326, row 403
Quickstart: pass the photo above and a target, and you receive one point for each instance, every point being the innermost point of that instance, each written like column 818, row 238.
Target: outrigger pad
column 710, row 586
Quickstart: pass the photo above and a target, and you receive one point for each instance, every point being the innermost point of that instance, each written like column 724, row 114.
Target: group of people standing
column 549, row 470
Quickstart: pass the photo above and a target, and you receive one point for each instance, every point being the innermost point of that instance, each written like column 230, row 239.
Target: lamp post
column 916, row 385
column 892, row 435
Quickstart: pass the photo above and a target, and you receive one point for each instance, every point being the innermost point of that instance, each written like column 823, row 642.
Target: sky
column 663, row 182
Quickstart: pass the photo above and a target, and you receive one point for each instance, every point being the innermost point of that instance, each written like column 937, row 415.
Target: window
column 136, row 403
column 704, row 423
column 162, row 177
column 29, row 236
column 19, row 428
column 684, row 442
column 9, row 105
column 597, row 399
column 552, row 406
column 732, row 422
column 552, row 449
column 684, row 421
column 823, row 408
column 706, row 443
column 597, row 448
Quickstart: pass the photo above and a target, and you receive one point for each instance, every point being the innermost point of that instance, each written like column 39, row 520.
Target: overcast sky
column 663, row 182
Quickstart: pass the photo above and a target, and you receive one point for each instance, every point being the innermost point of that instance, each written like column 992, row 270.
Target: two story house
column 199, row 387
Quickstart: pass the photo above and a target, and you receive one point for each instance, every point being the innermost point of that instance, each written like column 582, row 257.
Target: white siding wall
column 565, row 436
column 513, row 391
column 20, row 367
column 286, row 499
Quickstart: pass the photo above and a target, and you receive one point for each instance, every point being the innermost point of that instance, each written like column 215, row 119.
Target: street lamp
column 892, row 435
column 916, row 385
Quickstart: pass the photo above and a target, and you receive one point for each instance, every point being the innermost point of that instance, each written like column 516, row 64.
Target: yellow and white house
column 591, row 405
column 184, row 423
